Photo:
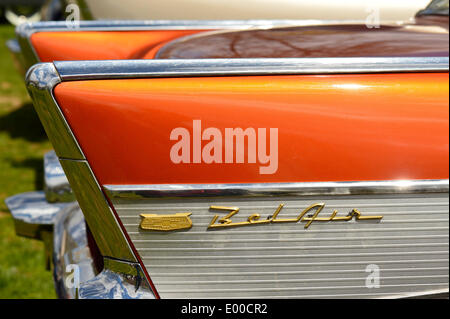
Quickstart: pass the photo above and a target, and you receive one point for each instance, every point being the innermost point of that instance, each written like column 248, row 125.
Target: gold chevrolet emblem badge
column 166, row 222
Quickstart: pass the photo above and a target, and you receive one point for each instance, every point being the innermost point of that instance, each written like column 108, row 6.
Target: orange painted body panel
column 98, row 45
column 330, row 128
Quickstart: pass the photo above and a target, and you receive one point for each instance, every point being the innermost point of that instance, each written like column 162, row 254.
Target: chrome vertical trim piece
column 161, row 191
column 40, row 81
column 123, row 69
column 105, row 228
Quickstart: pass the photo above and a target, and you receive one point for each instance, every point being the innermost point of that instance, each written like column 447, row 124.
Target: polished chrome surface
column 132, row 272
column 40, row 81
column 409, row 245
column 110, row 285
column 32, row 213
column 276, row 189
column 118, row 279
column 27, row 29
column 124, row 282
column 105, row 228
column 71, row 249
column 119, row 69
column 34, row 218
column 56, row 185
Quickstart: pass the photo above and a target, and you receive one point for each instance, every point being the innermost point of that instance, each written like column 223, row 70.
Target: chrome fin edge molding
column 41, row 80
column 161, row 191
column 123, row 69
column 106, row 230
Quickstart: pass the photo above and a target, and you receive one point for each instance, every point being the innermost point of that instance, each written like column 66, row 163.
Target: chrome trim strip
column 159, row 191
column 106, row 230
column 27, row 29
column 122, row 69
column 40, row 81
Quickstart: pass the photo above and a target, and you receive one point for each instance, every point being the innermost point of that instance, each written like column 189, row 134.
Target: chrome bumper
column 34, row 218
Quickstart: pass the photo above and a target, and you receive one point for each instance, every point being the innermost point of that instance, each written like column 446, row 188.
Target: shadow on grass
column 37, row 165
column 23, row 123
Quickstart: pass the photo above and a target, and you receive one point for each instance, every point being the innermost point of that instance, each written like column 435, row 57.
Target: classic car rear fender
column 348, row 137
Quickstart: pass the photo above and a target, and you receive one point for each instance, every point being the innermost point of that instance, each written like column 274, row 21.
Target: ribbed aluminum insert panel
column 409, row 245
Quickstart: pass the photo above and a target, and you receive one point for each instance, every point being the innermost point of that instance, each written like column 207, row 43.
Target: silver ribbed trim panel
column 329, row 259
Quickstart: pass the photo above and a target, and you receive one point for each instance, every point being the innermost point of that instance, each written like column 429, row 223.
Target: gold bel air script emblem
column 166, row 222
column 255, row 219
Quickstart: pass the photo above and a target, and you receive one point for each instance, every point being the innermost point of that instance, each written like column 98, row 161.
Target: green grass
column 22, row 271
column 22, row 144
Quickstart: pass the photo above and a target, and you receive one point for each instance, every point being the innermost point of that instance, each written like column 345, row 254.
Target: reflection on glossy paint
column 350, row 86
